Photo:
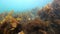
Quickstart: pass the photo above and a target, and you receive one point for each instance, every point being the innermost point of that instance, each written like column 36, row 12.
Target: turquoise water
column 19, row 5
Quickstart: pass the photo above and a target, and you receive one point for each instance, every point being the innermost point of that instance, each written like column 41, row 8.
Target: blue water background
column 20, row 5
